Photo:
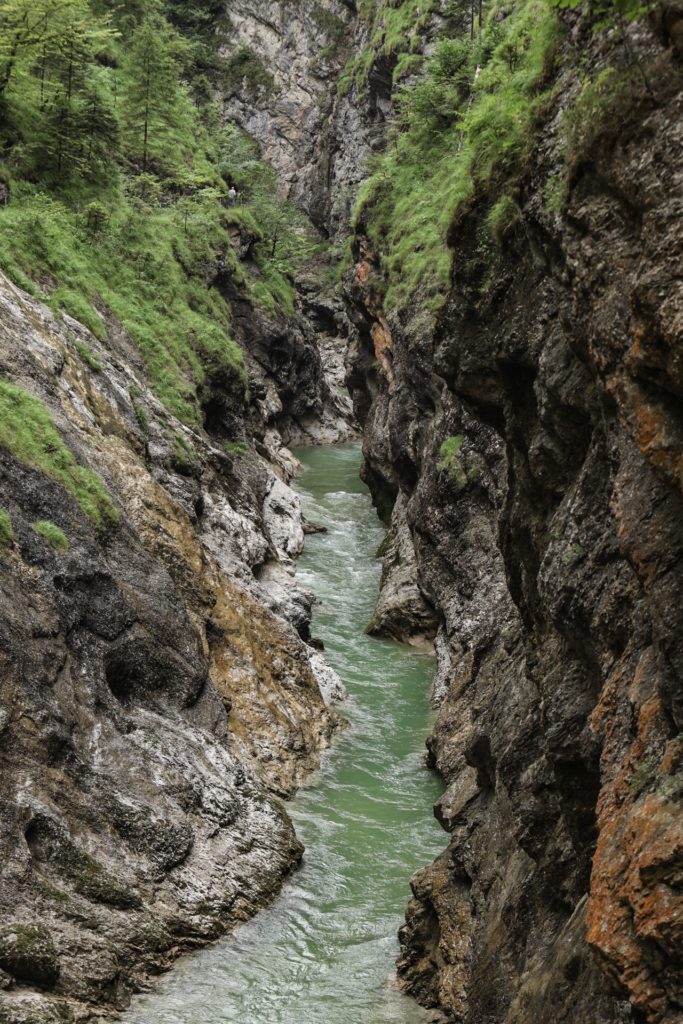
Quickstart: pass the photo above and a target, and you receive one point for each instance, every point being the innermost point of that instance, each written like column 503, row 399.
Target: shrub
column 87, row 355
column 463, row 135
column 503, row 217
column 246, row 68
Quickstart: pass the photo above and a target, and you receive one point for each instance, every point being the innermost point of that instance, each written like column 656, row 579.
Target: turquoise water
column 324, row 952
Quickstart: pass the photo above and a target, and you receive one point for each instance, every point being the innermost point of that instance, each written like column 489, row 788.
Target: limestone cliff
column 156, row 693
column 531, row 446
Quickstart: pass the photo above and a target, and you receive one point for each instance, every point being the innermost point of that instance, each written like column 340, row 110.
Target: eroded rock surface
column 547, row 536
column 155, row 700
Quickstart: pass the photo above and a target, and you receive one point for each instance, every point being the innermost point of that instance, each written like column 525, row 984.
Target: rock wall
column 157, row 696
column 547, row 538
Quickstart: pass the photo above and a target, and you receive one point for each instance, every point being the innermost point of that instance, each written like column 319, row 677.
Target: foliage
column 152, row 94
column 584, row 119
column 6, row 531
column 142, row 416
column 119, row 172
column 245, row 68
column 502, row 218
column 27, row 430
column 394, row 28
column 461, row 468
column 51, row 534
column 608, row 13
column 87, row 355
column 464, row 131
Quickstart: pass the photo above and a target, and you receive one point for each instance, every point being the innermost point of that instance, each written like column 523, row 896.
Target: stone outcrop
column 547, row 536
column 157, row 696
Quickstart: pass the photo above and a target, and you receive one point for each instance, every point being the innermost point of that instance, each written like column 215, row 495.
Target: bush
column 87, row 355
column 463, row 135
column 503, row 217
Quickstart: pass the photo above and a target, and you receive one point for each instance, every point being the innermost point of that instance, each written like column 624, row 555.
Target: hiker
column 232, row 195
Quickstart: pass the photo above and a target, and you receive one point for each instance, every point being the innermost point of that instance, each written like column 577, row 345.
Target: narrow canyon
column 341, row 411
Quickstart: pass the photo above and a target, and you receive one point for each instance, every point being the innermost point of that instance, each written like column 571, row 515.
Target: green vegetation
column 395, row 29
column 461, row 469
column 184, row 456
column 465, row 131
column 6, row 531
column 449, row 460
column 245, row 68
column 584, row 120
column 51, row 534
column 142, row 416
column 120, row 164
column 27, row 430
column 333, row 27
column 236, row 448
column 503, row 217
column 608, row 13
column 87, row 355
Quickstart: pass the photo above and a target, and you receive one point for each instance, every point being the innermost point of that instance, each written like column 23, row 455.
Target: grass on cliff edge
column 142, row 267
column 109, row 228
column 51, row 534
column 27, row 430
column 461, row 135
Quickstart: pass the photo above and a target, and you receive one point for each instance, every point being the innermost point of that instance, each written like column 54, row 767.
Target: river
column 324, row 952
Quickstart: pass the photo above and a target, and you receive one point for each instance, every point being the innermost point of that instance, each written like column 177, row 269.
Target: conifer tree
column 25, row 25
column 74, row 115
column 152, row 69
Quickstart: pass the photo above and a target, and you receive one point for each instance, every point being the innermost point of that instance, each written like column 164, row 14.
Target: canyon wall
column 159, row 698
column 530, row 447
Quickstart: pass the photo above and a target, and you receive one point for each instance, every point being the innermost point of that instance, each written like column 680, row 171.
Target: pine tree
column 152, row 72
column 74, row 116
column 25, row 25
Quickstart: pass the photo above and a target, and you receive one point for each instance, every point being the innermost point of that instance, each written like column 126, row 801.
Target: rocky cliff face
column 157, row 696
column 531, row 448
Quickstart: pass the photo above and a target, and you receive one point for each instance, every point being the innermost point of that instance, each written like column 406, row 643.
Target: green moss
column 573, row 554
column 51, row 534
column 27, row 430
column 645, row 775
column 236, row 448
column 142, row 416
column 6, row 531
column 184, row 456
column 461, row 469
column 449, row 460
column 449, row 449
column 246, row 69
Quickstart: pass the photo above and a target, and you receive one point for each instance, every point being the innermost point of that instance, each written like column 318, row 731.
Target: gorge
column 231, row 230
